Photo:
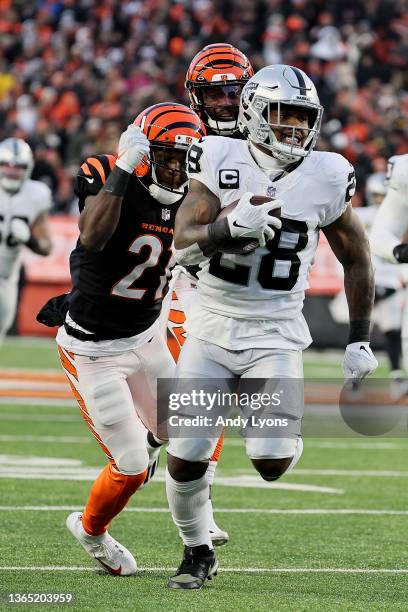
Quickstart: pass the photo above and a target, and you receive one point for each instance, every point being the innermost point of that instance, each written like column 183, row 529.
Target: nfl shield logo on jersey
column 271, row 191
column 165, row 214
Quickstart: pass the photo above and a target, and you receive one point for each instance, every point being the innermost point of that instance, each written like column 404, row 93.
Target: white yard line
column 371, row 473
column 38, row 401
column 49, row 418
column 231, row 570
column 278, row 511
column 59, row 439
column 336, row 445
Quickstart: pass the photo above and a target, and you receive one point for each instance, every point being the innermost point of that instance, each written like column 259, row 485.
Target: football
column 243, row 246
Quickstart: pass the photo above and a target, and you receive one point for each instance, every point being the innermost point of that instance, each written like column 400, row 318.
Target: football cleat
column 112, row 557
column 218, row 536
column 198, row 564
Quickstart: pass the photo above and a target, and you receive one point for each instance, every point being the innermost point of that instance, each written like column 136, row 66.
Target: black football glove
column 400, row 253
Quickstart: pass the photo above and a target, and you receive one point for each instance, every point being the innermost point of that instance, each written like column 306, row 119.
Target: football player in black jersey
column 214, row 82
column 111, row 346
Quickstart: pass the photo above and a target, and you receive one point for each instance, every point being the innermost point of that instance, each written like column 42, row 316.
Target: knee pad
column 273, row 448
column 131, row 462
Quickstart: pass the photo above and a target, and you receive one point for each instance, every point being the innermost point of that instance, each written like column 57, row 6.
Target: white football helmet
column 375, row 188
column 16, row 164
column 270, row 88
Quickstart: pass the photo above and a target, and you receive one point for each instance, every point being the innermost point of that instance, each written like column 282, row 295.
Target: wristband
column 33, row 243
column 359, row 331
column 219, row 231
column 117, row 182
column 400, row 253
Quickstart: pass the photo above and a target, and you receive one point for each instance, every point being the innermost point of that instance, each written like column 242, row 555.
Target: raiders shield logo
column 271, row 191
column 165, row 214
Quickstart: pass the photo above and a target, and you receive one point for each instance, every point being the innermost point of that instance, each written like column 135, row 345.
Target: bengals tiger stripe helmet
column 214, row 81
column 171, row 129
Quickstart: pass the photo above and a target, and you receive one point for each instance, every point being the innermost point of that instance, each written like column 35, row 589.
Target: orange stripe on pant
column 81, row 403
column 216, row 454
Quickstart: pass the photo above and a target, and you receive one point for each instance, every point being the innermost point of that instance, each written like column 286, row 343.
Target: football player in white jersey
column 389, row 238
column 214, row 81
column 247, row 322
column 24, row 206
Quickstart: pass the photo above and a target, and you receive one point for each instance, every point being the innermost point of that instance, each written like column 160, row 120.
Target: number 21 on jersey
column 125, row 287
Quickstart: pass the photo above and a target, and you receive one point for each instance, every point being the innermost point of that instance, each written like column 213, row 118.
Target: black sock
column 153, row 441
column 393, row 347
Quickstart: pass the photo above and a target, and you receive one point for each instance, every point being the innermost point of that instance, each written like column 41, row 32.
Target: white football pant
column 117, row 398
column 203, row 360
column 8, row 303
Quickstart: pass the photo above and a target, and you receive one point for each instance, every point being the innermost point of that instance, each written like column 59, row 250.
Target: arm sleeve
column 391, row 220
column 198, row 166
column 91, row 177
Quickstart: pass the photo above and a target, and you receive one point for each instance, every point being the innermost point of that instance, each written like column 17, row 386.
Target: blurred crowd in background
column 73, row 74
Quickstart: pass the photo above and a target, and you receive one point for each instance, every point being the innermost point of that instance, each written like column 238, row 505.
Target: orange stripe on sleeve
column 98, row 167
column 86, row 169
column 111, row 160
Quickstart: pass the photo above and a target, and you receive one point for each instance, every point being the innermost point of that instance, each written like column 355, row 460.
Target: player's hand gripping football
column 20, row 230
column 133, row 147
column 249, row 221
column 359, row 361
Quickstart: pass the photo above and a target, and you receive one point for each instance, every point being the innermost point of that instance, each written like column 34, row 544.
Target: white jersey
column 391, row 221
column 387, row 274
column 33, row 199
column 257, row 299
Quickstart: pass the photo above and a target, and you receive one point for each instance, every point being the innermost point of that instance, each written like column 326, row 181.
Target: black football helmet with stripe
column 272, row 88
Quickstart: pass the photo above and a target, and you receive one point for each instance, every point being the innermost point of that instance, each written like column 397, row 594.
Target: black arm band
column 219, row 231
column 359, row 331
column 117, row 182
column 33, row 243
column 400, row 253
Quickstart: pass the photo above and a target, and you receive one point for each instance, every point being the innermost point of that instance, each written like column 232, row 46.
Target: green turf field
column 334, row 540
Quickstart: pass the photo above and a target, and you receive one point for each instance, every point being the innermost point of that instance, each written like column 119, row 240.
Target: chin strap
column 227, row 127
column 163, row 195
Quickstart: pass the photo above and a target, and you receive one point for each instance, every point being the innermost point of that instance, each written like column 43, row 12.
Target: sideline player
column 111, row 346
column 214, row 81
column 389, row 238
column 24, row 206
column 388, row 301
column 247, row 322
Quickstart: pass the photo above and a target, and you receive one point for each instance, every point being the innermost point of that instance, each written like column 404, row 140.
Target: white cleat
column 217, row 535
column 114, row 558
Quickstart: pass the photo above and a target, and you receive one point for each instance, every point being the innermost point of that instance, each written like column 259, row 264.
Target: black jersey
column 118, row 291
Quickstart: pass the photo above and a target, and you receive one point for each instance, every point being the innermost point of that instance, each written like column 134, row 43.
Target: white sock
column 188, row 506
column 212, row 465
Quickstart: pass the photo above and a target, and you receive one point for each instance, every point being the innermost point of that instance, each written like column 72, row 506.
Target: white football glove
column 359, row 361
column 20, row 230
column 249, row 221
column 133, row 147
